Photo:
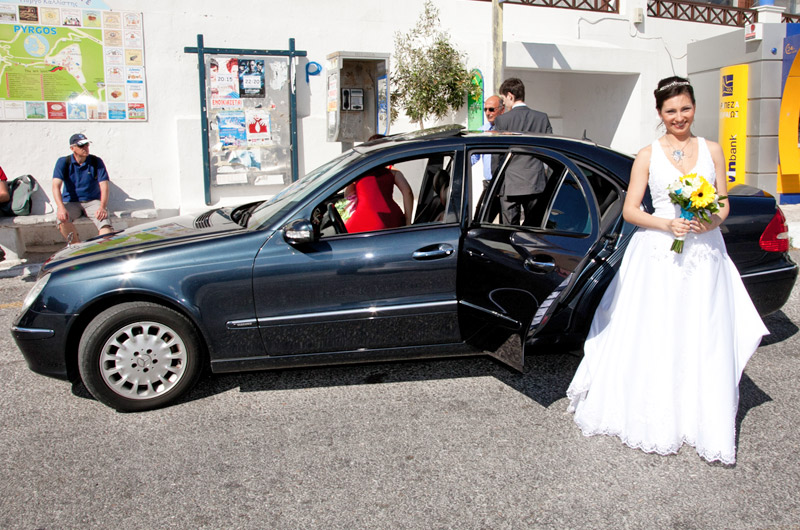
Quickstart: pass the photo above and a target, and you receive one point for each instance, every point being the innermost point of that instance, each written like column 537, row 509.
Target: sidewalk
column 24, row 267
column 792, row 213
column 21, row 267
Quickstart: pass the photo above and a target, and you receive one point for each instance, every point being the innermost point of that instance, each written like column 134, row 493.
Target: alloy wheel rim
column 143, row 360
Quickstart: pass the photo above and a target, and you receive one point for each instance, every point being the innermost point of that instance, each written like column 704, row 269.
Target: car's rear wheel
column 139, row 356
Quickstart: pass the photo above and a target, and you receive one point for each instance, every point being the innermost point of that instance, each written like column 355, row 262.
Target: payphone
column 357, row 96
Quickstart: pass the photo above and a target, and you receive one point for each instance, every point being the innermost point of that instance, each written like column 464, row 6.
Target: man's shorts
column 88, row 208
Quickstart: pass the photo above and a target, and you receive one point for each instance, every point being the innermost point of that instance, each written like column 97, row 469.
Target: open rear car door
column 514, row 278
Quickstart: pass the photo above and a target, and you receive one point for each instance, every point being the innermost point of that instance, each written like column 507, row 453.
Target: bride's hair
column 670, row 87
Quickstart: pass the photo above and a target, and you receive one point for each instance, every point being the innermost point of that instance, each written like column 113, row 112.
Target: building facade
column 591, row 65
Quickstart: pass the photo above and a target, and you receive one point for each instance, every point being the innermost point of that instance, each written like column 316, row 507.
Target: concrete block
column 762, row 154
column 12, row 243
column 762, row 116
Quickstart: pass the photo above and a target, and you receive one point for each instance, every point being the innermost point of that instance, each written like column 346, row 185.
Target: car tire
column 139, row 356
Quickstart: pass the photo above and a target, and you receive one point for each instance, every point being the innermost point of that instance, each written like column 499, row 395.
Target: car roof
column 584, row 149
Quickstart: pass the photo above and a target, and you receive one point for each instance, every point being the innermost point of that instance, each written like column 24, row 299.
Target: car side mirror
column 299, row 232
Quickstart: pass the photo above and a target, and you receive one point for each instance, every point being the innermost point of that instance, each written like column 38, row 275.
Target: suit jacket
column 525, row 174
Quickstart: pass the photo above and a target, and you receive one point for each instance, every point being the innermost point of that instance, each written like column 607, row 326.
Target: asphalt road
column 463, row 443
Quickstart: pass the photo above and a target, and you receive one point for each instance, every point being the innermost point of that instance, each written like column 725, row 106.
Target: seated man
column 84, row 180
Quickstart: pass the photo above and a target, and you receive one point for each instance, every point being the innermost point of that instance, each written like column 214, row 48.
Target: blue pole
column 293, row 108
column 201, row 69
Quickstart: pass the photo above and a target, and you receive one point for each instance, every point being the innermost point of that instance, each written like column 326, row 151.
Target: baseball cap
column 78, row 139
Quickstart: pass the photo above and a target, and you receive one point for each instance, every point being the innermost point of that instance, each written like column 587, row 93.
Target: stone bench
column 19, row 233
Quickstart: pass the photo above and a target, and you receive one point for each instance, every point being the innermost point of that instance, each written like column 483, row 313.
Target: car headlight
column 35, row 291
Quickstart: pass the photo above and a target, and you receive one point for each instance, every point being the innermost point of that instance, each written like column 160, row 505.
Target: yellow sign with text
column 733, row 120
column 788, row 128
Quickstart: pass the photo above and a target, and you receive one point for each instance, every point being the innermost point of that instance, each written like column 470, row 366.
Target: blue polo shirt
column 81, row 181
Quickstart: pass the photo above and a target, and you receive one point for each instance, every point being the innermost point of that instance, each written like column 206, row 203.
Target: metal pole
column 293, row 108
column 201, row 69
column 497, row 45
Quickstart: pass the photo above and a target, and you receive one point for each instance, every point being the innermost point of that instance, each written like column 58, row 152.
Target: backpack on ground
column 21, row 189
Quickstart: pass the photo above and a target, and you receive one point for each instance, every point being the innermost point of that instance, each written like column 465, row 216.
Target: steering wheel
column 336, row 219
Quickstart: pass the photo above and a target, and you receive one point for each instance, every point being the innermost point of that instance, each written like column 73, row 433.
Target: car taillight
column 776, row 236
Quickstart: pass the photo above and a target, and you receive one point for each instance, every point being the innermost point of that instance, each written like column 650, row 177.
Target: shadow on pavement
column 545, row 381
column 780, row 328
column 750, row 397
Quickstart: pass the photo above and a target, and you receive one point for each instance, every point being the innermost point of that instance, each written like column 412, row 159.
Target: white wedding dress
column 670, row 338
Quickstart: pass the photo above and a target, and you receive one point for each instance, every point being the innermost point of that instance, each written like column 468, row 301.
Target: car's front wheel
column 139, row 356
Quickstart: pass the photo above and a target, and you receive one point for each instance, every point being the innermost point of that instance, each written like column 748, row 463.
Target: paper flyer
column 251, row 78
column 259, row 130
column 232, row 129
column 223, row 73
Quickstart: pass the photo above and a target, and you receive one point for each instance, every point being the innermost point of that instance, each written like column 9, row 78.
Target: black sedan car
column 138, row 315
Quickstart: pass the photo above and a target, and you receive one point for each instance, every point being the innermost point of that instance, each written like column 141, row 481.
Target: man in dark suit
column 525, row 176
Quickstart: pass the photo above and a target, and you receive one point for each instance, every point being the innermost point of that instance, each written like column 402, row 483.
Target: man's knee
column 69, row 232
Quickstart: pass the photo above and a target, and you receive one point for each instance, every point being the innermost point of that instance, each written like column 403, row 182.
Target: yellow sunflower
column 704, row 194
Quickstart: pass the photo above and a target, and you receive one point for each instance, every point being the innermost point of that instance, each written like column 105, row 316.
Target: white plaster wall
column 160, row 161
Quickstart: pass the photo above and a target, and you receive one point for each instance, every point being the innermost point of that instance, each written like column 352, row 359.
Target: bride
column 673, row 332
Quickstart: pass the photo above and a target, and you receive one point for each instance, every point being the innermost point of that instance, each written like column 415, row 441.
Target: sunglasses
column 489, row 109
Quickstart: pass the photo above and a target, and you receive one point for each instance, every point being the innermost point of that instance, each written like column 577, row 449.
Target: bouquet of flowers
column 697, row 198
column 346, row 206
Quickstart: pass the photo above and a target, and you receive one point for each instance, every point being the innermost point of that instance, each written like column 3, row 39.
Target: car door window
column 569, row 211
column 377, row 199
column 561, row 206
column 607, row 193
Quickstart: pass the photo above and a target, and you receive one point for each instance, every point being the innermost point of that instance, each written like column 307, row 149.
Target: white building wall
column 590, row 71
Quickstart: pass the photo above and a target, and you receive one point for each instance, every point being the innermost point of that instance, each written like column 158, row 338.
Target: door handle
column 477, row 255
column 533, row 265
column 437, row 252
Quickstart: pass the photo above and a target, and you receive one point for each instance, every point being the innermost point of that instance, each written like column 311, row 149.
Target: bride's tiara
column 673, row 84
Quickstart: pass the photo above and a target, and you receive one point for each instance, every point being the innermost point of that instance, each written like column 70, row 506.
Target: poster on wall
column 383, row 105
column 251, row 78
column 62, row 62
column 223, row 79
column 258, row 127
column 232, row 129
column 475, row 102
column 733, row 120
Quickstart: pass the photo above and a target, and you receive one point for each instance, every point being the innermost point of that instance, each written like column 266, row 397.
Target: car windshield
column 296, row 192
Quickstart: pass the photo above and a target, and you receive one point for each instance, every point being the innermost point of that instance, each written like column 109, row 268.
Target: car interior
column 564, row 203
column 564, row 206
column 429, row 178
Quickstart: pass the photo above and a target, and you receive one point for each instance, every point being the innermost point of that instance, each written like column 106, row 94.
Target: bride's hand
column 679, row 227
column 698, row 227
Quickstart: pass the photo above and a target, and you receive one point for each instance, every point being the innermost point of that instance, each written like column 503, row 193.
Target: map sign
column 73, row 64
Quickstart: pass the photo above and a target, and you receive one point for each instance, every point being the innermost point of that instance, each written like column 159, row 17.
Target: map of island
column 42, row 63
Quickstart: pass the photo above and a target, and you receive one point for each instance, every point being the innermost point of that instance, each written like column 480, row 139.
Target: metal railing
column 701, row 12
column 686, row 10
column 603, row 6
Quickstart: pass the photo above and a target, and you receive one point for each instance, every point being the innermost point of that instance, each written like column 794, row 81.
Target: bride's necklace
column 678, row 154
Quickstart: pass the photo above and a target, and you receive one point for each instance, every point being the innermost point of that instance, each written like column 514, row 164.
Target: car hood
column 158, row 234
